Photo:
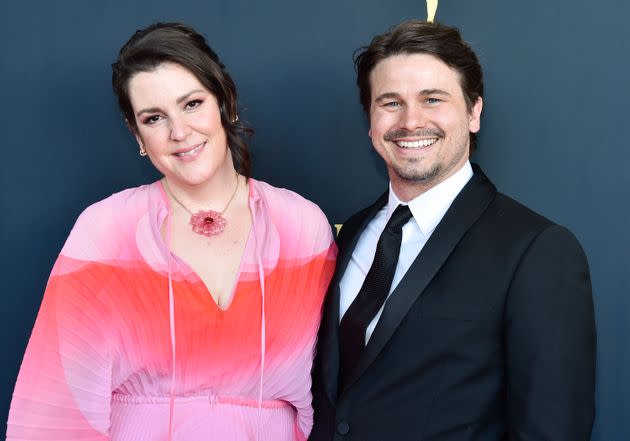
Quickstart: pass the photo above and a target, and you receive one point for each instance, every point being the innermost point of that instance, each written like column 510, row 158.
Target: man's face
column 419, row 122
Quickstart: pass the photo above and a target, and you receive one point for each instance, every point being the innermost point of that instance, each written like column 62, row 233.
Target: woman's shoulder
column 119, row 207
column 287, row 203
column 300, row 224
column 110, row 221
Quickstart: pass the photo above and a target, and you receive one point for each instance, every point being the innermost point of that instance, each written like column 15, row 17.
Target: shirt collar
column 429, row 208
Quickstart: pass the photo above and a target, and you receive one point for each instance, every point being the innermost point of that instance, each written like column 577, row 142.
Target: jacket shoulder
column 354, row 222
column 513, row 213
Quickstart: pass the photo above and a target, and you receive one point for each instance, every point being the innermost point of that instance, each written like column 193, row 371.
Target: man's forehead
column 417, row 71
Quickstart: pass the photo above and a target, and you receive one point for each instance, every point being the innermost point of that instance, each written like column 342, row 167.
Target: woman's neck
column 213, row 194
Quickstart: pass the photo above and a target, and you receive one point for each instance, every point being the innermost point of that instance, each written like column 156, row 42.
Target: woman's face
column 179, row 125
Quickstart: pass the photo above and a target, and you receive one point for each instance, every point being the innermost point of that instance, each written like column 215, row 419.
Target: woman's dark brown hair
column 421, row 37
column 180, row 44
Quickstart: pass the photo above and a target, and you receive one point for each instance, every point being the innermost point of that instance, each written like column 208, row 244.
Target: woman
column 186, row 309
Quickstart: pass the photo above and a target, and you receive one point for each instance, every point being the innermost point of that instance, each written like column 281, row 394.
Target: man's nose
column 413, row 117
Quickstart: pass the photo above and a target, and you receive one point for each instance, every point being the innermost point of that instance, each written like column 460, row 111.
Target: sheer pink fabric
column 99, row 364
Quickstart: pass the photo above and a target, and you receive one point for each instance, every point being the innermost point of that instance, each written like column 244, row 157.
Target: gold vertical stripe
column 431, row 9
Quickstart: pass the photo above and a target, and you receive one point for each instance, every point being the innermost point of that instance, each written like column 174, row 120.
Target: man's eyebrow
column 386, row 96
column 434, row 92
column 394, row 95
column 178, row 101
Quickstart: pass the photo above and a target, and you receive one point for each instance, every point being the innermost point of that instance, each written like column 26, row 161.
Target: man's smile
column 416, row 144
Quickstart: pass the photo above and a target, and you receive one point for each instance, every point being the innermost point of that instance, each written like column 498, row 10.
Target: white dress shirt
column 428, row 209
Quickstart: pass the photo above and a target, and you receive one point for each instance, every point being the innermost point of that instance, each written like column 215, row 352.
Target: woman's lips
column 189, row 154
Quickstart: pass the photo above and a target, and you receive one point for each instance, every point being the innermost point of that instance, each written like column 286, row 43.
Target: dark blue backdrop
column 554, row 132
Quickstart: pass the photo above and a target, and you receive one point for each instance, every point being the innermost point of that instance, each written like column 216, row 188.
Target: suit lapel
column 329, row 335
column 465, row 210
column 351, row 232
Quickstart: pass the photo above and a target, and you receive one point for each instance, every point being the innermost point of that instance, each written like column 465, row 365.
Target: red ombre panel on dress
column 99, row 367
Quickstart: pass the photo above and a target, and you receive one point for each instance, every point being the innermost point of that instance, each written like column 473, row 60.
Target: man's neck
column 407, row 190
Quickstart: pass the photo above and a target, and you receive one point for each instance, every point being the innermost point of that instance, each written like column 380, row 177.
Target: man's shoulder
column 515, row 215
column 357, row 218
column 504, row 212
column 354, row 222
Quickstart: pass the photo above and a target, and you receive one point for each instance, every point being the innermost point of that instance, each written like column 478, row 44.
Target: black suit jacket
column 489, row 336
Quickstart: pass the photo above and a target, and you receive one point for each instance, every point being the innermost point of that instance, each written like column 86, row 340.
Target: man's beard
column 410, row 172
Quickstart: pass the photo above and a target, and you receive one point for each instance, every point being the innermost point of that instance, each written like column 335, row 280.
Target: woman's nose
column 179, row 129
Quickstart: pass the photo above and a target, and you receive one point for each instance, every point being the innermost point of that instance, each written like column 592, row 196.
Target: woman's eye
column 152, row 119
column 193, row 104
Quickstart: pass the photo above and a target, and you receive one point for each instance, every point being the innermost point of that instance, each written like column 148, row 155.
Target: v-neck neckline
column 206, row 290
column 185, row 265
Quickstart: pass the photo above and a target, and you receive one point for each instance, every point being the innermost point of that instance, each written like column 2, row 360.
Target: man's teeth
column 416, row 144
column 190, row 152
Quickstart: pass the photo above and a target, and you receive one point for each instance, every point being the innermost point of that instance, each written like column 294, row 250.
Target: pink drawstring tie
column 261, row 276
column 171, row 317
column 171, row 321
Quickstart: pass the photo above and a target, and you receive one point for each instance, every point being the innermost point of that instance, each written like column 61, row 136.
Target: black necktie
column 372, row 294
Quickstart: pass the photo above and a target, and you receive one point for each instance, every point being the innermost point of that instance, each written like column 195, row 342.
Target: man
column 455, row 313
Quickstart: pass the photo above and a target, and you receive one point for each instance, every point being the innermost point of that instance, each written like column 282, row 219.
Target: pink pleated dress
column 129, row 345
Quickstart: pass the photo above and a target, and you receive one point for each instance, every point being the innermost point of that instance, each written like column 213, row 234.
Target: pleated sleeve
column 64, row 385
column 305, row 267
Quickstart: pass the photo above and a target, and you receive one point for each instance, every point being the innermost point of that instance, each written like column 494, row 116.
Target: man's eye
column 193, row 104
column 433, row 100
column 392, row 104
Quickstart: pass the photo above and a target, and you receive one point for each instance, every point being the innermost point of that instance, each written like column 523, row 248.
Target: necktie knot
column 400, row 217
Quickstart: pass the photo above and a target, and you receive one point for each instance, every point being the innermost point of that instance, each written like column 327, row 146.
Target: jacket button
column 343, row 428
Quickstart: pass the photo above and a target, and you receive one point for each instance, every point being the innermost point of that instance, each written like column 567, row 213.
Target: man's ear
column 474, row 119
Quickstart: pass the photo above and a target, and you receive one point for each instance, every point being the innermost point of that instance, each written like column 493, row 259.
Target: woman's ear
column 134, row 132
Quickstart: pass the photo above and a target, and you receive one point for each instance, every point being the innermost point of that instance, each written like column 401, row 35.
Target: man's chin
column 417, row 174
